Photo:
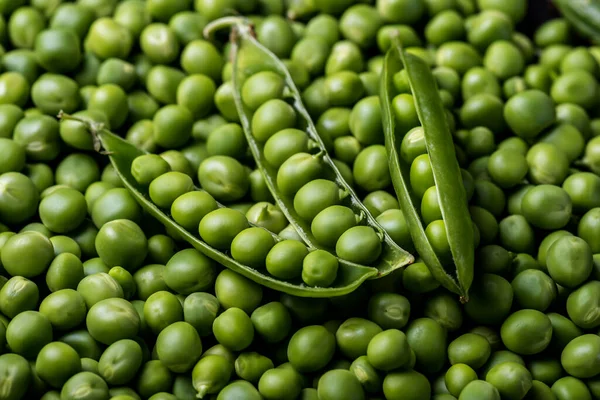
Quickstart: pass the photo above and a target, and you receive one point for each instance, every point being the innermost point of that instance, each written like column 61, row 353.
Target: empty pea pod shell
column 446, row 171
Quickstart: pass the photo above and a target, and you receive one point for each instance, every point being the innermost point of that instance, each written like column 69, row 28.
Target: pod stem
column 94, row 127
column 241, row 26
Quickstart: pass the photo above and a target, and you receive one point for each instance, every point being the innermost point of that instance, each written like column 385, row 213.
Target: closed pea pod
column 444, row 169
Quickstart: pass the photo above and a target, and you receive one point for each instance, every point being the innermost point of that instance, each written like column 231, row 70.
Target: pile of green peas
column 99, row 301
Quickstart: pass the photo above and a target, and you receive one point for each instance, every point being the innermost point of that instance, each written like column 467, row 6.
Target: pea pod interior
column 122, row 154
column 250, row 57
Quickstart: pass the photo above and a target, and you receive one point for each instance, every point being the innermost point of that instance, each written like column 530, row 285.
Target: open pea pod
column 446, row 172
column 249, row 57
column 122, row 153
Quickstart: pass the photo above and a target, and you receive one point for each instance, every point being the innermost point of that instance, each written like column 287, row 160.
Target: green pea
column 284, row 144
column 362, row 237
column 319, row 268
column 389, row 350
column 167, row 187
column 516, row 234
column 469, row 348
column 371, row 171
column 147, row 167
column 189, row 271
column 507, row 168
column 569, row 261
column 418, row 279
column 504, row 59
column 179, row 346
column 126, row 236
column 458, row 376
column 458, row 55
column 120, row 362
column 446, row 26
column 577, row 87
column 275, row 381
column 284, row 260
column 95, row 266
column 329, row 224
column 437, row 235
column 581, row 306
column 311, row 348
column 427, row 339
column 18, row 294
column 211, row 374
column 489, row 196
column 554, row 31
column 533, row 289
column 111, row 100
column 149, row 280
column 251, row 246
column 233, row 329
column 154, row 377
column 421, row 175
column 39, row 135
column 65, row 309
column 218, row 228
column 479, row 80
column 39, row 248
column 272, row 322
column 162, row 83
column 268, row 216
column 234, row 290
column 479, row 105
column 518, row 108
column 536, row 210
column 570, row 387
column 526, row 332
column 251, row 366
column 162, row 309
column 512, row 380
column 141, row 105
column 200, row 310
column 191, row 207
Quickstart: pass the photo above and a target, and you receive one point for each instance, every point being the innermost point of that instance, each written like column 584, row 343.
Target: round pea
column 311, row 348
column 189, row 271
column 128, row 238
column 526, row 332
column 581, row 306
column 218, row 228
column 512, row 380
column 93, row 385
column 234, row 290
column 223, row 177
column 233, row 329
column 362, row 237
column 319, row 268
column 285, row 259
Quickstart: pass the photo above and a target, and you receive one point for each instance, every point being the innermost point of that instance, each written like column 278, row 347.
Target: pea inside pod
column 220, row 234
column 305, row 182
column 426, row 174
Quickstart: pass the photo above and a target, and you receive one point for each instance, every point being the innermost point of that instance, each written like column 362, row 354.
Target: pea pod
column 122, row 153
column 249, row 57
column 446, row 172
column 584, row 15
